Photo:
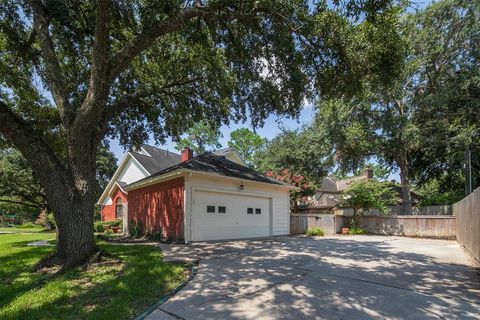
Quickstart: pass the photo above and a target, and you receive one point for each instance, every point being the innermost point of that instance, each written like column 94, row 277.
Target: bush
column 98, row 226
column 356, row 231
column 51, row 221
column 154, row 236
column 27, row 225
column 108, row 231
column 314, row 231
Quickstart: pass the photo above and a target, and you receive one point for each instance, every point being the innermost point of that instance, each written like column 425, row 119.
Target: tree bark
column 405, row 181
column 74, row 211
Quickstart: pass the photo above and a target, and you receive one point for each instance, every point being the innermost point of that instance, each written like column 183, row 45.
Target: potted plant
column 115, row 229
column 345, row 230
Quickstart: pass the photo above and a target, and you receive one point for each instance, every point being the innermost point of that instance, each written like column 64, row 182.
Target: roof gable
column 155, row 159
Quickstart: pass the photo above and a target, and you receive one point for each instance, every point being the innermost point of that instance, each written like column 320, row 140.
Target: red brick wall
column 159, row 207
column 108, row 211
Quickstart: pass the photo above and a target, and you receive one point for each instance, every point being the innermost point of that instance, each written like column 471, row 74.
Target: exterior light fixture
column 242, row 187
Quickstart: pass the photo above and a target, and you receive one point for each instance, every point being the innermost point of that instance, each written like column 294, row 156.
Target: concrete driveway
column 353, row 277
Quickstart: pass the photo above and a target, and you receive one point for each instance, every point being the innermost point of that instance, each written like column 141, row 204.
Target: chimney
column 368, row 173
column 187, row 154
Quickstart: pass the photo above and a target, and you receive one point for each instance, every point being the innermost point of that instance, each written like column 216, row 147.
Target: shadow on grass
column 110, row 291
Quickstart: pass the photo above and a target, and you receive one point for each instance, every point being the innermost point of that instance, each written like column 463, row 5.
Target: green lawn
column 111, row 291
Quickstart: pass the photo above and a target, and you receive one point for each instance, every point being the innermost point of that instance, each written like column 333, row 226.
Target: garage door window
column 258, row 211
column 211, row 209
column 250, row 210
column 222, row 209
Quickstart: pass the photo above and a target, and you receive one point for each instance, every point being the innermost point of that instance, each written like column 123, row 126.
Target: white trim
column 145, row 151
column 171, row 175
column 237, row 155
column 139, row 164
column 154, row 180
column 250, row 194
column 282, row 186
column 120, row 187
column 114, row 178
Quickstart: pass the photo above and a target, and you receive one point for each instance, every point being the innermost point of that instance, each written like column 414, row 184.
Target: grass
column 356, row 231
column 105, row 291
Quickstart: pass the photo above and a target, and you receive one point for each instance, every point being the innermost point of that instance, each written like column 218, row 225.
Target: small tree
column 200, row 138
column 247, row 144
column 306, row 188
column 367, row 194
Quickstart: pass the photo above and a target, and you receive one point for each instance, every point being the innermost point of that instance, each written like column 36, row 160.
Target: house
column 327, row 196
column 137, row 165
column 211, row 196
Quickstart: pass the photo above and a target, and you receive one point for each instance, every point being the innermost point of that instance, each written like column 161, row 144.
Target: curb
column 150, row 309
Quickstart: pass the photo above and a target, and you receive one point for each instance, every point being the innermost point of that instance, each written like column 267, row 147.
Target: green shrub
column 51, row 221
column 356, row 231
column 114, row 223
column 108, row 231
column 314, row 231
column 27, row 225
column 135, row 229
column 98, row 226
column 154, row 236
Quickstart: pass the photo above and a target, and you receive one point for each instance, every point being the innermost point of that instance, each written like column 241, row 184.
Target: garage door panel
column 235, row 223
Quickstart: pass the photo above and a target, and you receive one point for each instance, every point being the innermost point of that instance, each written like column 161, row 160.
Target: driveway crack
column 176, row 316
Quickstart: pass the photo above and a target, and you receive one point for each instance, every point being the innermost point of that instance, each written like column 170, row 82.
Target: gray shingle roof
column 223, row 152
column 212, row 163
column 158, row 160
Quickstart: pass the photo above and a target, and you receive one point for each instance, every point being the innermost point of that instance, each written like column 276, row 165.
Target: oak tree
column 73, row 74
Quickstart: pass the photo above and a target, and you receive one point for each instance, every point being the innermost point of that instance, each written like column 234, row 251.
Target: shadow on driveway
column 354, row 277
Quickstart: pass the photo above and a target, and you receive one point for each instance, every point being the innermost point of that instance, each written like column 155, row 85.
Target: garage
column 222, row 215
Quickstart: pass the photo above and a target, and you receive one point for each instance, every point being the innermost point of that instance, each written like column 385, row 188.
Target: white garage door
column 218, row 216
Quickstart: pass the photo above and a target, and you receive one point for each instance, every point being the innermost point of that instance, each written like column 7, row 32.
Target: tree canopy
column 303, row 152
column 248, row 144
column 363, row 195
column 200, row 138
column 73, row 74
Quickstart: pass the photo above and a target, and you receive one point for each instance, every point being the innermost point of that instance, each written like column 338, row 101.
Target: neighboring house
column 327, row 196
column 211, row 196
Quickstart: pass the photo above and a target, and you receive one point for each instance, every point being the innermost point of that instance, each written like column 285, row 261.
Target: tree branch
column 55, row 79
column 173, row 24
column 145, row 39
column 32, row 205
column 129, row 100
column 99, row 85
column 40, row 156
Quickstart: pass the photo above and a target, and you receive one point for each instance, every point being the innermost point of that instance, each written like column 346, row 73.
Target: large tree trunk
column 68, row 181
column 405, row 181
column 75, row 239
column 73, row 209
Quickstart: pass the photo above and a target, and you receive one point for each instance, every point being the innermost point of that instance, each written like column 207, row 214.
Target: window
column 250, row 210
column 222, row 209
column 258, row 211
column 211, row 209
column 118, row 208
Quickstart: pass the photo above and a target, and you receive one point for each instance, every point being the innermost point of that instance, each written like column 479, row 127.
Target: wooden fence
column 467, row 212
column 299, row 223
column 398, row 210
column 411, row 226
